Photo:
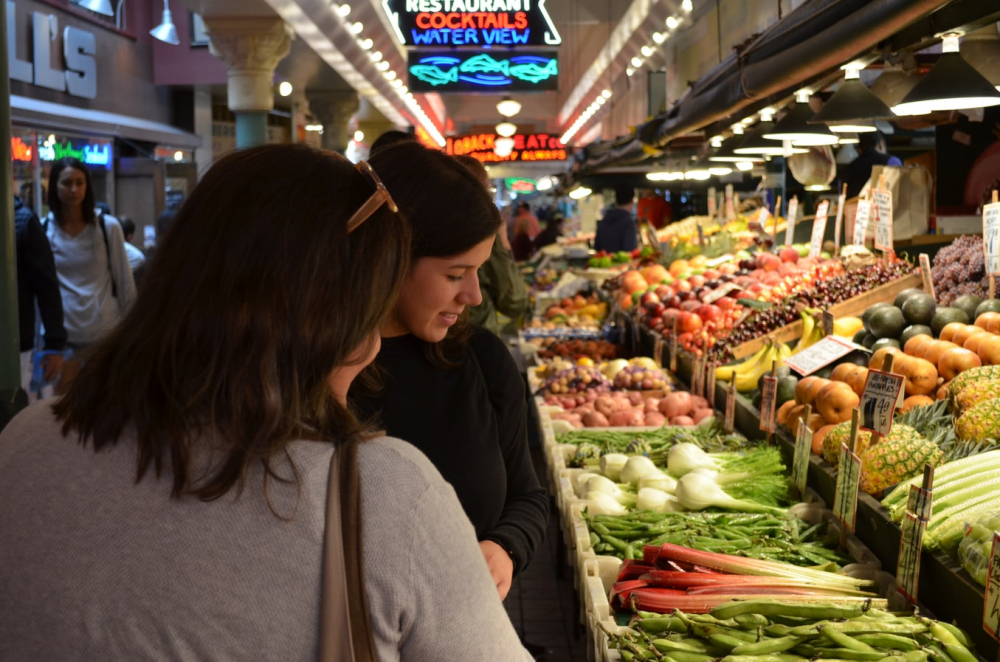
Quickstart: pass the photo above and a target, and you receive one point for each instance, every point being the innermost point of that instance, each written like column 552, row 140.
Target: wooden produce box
column 852, row 307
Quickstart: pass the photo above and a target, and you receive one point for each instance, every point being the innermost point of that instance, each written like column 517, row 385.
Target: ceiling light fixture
column 356, row 28
column 672, row 22
column 580, row 192
column 344, row 10
column 506, row 129
column 285, row 88
column 637, row 62
column 390, row 75
column 795, row 126
column 647, row 51
column 366, row 44
column 97, row 6
column 744, row 166
column 849, row 139
column 853, row 108
column 502, row 147
column 359, row 136
column 376, row 56
column 166, row 31
column 687, row 5
column 606, row 94
column 629, row 71
column 659, row 37
column 951, row 84
column 383, row 66
column 508, row 107
column 754, row 144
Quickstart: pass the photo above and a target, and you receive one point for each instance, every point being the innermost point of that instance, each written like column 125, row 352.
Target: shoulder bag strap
column 342, row 638
column 107, row 248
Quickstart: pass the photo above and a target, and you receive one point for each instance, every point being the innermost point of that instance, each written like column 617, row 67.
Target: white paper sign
column 991, row 603
column 879, row 400
column 711, row 202
column 819, row 229
column 882, row 206
column 793, row 213
column 861, row 222
column 820, row 355
column 991, row 237
column 730, row 208
column 762, row 218
column 839, row 223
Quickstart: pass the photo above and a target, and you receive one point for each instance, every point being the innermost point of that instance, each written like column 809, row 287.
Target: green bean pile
column 709, row 437
column 769, row 631
column 756, row 536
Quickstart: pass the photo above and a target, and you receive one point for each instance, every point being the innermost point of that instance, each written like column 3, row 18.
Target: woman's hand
column 500, row 564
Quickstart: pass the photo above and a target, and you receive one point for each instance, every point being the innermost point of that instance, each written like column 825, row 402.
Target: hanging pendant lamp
column 756, row 145
column 951, row 84
column 795, row 126
column 853, row 108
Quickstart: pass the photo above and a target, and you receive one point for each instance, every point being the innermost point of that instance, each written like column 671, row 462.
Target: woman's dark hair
column 449, row 210
column 388, row 139
column 55, row 204
column 256, row 294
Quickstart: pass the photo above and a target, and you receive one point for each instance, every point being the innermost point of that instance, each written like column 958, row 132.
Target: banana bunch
column 812, row 328
column 747, row 374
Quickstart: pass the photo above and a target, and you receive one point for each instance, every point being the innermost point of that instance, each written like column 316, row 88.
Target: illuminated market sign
column 92, row 154
column 472, row 22
column 458, row 71
column 530, row 147
column 520, row 185
column 20, row 150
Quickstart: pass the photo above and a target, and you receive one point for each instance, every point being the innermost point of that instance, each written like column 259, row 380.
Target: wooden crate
column 852, row 307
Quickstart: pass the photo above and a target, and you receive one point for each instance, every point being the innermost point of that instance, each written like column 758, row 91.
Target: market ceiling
column 587, row 43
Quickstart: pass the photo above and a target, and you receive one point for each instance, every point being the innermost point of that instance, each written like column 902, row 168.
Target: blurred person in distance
column 500, row 281
column 617, row 230
column 871, row 152
column 183, row 479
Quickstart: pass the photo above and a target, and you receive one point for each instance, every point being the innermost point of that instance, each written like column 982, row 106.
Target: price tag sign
column 721, row 291
column 991, row 605
column 763, row 217
column 730, row 209
column 820, row 355
column 839, row 223
column 908, row 563
column 920, row 502
column 731, row 407
column 673, row 346
column 819, row 229
column 878, row 402
column 925, row 273
column 882, row 204
column 991, row 237
column 710, row 383
column 845, row 500
column 827, row 320
column 793, row 213
column 658, row 351
column 767, row 402
column 861, row 222
column 701, row 235
column 800, row 462
column 711, row 202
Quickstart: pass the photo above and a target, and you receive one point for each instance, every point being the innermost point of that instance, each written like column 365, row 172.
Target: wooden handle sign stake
column 918, row 513
column 777, row 212
column 839, row 223
column 768, row 400
column 845, row 500
column 800, row 461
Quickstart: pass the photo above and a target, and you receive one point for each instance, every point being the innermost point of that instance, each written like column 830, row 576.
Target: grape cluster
column 960, row 269
column 825, row 293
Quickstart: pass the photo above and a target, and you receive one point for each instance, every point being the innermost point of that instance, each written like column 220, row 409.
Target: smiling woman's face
column 436, row 291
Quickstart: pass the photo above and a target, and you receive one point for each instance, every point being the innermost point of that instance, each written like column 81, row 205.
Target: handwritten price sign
column 800, row 461
column 991, row 605
column 861, row 219
column 908, row 564
column 839, row 223
column 819, row 229
column 731, row 406
column 882, row 203
column 820, row 355
column 793, row 213
column 767, row 402
column 845, row 500
column 991, row 237
column 878, row 402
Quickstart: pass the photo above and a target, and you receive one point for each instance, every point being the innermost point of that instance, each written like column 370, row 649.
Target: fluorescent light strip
column 317, row 39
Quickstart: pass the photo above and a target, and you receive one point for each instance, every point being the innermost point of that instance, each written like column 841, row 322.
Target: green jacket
column 503, row 290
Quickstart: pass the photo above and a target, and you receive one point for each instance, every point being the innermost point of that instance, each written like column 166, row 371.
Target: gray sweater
column 90, row 309
column 96, row 567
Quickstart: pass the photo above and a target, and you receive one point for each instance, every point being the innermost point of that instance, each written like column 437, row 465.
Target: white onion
column 612, row 464
column 657, row 501
column 599, row 503
column 638, row 466
column 661, row 482
column 686, row 457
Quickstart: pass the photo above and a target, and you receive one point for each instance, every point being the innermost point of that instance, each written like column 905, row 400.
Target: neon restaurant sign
column 472, row 22
column 458, row 71
column 527, row 148
column 92, row 154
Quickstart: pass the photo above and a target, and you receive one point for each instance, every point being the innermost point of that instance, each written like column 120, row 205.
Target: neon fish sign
column 472, row 22
column 482, row 72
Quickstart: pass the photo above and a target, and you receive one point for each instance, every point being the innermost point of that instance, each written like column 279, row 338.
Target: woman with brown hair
column 452, row 389
column 183, row 500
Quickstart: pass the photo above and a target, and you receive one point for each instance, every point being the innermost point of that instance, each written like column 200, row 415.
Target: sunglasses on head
column 378, row 198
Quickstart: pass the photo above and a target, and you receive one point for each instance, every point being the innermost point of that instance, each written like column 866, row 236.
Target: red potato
column 652, row 405
column 595, row 420
column 701, row 414
column 683, row 421
column 583, row 410
column 605, row 404
column 698, row 402
column 655, row 418
column 591, row 396
column 676, row 404
column 635, row 398
column 552, row 400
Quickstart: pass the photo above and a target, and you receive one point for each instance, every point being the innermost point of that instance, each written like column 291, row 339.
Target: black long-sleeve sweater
column 471, row 421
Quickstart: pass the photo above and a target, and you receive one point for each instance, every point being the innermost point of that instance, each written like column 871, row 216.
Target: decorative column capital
column 333, row 107
column 250, row 48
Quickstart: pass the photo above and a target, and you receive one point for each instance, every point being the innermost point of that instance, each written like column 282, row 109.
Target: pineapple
column 895, row 459
column 841, row 434
column 976, row 392
column 971, row 375
column 979, row 423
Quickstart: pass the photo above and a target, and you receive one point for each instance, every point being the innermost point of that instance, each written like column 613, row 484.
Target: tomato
column 689, row 322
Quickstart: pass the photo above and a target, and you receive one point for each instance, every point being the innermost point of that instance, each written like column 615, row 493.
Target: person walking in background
column 617, row 231
column 174, row 504
column 552, row 231
column 500, row 281
column 37, row 282
column 871, row 152
column 136, row 258
column 95, row 278
column 653, row 209
column 525, row 222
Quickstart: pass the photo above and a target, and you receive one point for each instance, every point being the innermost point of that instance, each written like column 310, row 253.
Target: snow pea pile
column 770, row 631
column 751, row 535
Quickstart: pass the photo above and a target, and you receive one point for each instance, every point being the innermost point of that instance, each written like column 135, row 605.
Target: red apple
column 789, row 254
column 664, row 292
column 696, row 281
column 711, row 274
column 709, row 313
column 689, row 322
column 682, row 286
